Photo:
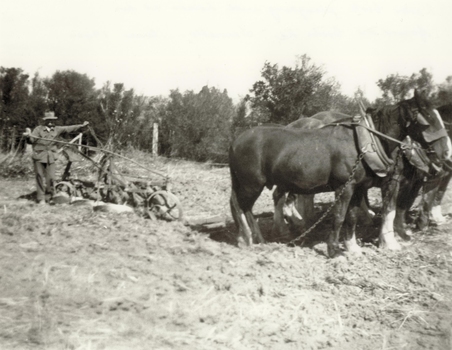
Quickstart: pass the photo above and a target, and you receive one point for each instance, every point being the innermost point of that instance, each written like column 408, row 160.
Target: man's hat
column 49, row 115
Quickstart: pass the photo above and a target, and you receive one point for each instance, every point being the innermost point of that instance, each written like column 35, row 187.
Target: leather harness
column 374, row 153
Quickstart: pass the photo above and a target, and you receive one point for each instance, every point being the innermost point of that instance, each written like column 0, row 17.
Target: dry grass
column 72, row 278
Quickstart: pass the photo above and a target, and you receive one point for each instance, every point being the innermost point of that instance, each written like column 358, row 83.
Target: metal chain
column 338, row 197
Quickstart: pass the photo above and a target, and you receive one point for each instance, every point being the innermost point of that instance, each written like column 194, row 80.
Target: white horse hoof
column 353, row 249
column 437, row 215
column 339, row 258
column 393, row 245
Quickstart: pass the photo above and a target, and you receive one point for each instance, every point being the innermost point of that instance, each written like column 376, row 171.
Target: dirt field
column 72, row 278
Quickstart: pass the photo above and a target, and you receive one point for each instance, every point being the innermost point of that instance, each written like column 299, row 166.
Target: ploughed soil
column 75, row 278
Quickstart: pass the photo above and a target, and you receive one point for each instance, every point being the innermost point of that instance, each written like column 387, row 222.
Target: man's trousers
column 45, row 180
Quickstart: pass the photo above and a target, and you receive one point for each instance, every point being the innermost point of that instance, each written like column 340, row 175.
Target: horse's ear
column 421, row 102
column 420, row 96
column 370, row 110
column 361, row 108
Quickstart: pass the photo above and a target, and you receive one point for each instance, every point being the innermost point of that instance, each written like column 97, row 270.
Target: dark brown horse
column 433, row 187
column 411, row 172
column 400, row 193
column 298, row 211
column 318, row 160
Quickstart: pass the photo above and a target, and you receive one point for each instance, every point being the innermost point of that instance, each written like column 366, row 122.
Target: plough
column 111, row 192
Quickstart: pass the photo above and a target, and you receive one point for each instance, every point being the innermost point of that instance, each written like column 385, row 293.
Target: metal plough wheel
column 64, row 191
column 65, row 187
column 165, row 205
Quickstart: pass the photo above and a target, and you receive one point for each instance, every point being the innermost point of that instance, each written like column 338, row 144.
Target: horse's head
column 424, row 124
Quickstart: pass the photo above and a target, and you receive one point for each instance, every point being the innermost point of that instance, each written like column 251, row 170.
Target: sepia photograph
column 231, row 175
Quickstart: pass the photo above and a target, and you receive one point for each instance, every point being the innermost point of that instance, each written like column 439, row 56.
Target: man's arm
column 31, row 136
column 71, row 128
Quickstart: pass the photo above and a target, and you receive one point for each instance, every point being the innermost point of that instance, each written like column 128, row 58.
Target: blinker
column 415, row 154
column 421, row 119
column 430, row 136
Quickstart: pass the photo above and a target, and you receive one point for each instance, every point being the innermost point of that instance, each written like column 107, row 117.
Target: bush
column 14, row 166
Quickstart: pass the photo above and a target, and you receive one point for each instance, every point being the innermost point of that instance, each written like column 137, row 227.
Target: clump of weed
column 15, row 166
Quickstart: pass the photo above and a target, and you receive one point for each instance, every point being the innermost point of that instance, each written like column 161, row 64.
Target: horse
column 411, row 172
column 434, row 186
column 295, row 209
column 298, row 211
column 411, row 178
column 319, row 160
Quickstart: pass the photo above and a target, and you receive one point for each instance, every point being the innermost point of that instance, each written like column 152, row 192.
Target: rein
column 404, row 146
column 376, row 132
column 105, row 151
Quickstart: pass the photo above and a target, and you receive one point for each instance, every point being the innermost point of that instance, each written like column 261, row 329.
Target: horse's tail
column 235, row 189
column 236, row 208
column 235, row 185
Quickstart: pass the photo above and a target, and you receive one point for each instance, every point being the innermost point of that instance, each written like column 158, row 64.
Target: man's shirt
column 45, row 151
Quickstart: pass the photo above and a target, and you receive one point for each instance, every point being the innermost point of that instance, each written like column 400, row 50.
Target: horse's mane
column 383, row 117
column 446, row 112
column 386, row 117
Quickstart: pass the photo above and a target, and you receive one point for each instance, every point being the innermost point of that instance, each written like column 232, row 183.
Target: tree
column 344, row 104
column 349, row 105
column 14, row 95
column 239, row 120
column 72, row 96
column 443, row 94
column 423, row 81
column 397, row 87
column 197, row 126
column 138, row 129
column 37, row 102
column 13, row 103
column 152, row 110
column 286, row 94
column 116, row 108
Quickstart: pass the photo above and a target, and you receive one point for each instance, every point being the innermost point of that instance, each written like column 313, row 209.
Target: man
column 45, row 154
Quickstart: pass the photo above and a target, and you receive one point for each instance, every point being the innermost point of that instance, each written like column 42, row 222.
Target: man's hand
column 27, row 132
column 85, row 123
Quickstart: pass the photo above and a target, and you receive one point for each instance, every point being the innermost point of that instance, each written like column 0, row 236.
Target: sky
column 154, row 46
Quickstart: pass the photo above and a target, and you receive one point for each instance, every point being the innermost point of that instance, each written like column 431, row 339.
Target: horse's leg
column 240, row 219
column 290, row 210
column 294, row 213
column 389, row 191
column 305, row 206
column 279, row 229
column 407, row 194
column 340, row 210
column 255, row 229
column 442, row 188
column 436, row 213
column 430, row 191
column 241, row 208
column 365, row 207
column 351, row 219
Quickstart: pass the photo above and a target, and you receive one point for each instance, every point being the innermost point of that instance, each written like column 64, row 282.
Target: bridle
column 426, row 155
column 426, row 151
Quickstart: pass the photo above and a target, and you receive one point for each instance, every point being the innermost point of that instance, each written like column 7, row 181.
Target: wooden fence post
column 13, row 139
column 155, row 139
column 2, row 139
column 80, row 142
